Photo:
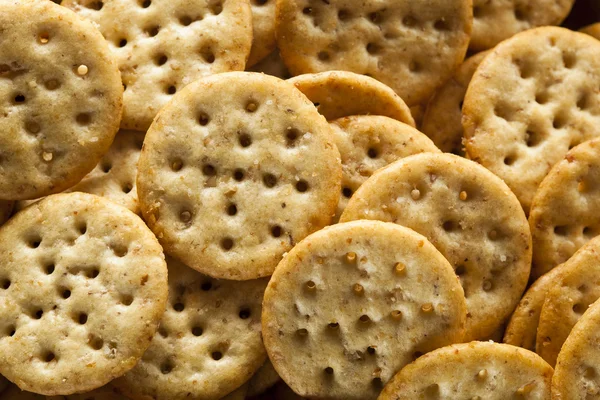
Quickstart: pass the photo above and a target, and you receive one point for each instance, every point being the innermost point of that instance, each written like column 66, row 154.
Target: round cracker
column 265, row 378
column 494, row 21
column 236, row 170
column 531, row 100
column 208, row 343
column 62, row 98
column 576, row 375
column 263, row 30
column 442, row 119
column 367, row 143
column 272, row 65
column 163, row 45
column 564, row 212
column 354, row 303
column 83, row 287
column 592, row 30
column 576, row 287
column 410, row 45
column 522, row 327
column 339, row 94
column 472, row 218
column 476, row 370
column 114, row 175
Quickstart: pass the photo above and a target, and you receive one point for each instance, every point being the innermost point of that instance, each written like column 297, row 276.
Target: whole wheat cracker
column 370, row 142
column 476, row 370
column 235, row 170
column 62, row 98
column 339, row 94
column 576, row 375
column 209, row 341
column 355, row 302
column 442, row 119
column 531, row 100
column 83, row 284
column 413, row 46
column 472, row 218
column 163, row 45
column 564, row 212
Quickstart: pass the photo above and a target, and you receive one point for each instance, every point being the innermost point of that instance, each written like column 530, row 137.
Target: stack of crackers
column 286, row 199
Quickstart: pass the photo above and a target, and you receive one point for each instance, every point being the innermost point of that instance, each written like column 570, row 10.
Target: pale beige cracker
column 472, row 218
column 495, row 21
column 575, row 288
column 592, row 30
column 522, row 327
column 263, row 30
column 442, row 119
column 163, row 45
column 272, row 65
column 61, row 98
column 576, row 375
column 6, row 209
column 209, row 341
column 564, row 212
column 83, row 284
column 265, row 378
column 353, row 303
column 235, row 170
column 530, row 101
column 413, row 46
column 339, row 94
column 367, row 143
column 114, row 175
column 476, row 370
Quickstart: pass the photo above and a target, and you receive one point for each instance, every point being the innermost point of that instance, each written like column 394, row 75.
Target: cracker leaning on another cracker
column 472, row 218
column 83, row 284
column 531, row 100
column 476, row 370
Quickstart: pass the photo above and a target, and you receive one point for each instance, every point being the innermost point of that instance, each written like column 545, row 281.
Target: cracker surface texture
column 576, row 375
column 522, row 327
column 472, row 218
column 367, row 143
column 163, row 45
column 495, row 21
column 442, row 119
column 339, row 94
column 476, row 370
column 56, row 122
column 564, row 212
column 574, row 290
column 83, row 284
column 530, row 101
column 413, row 46
column 237, row 169
column 208, row 343
column 354, row 303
